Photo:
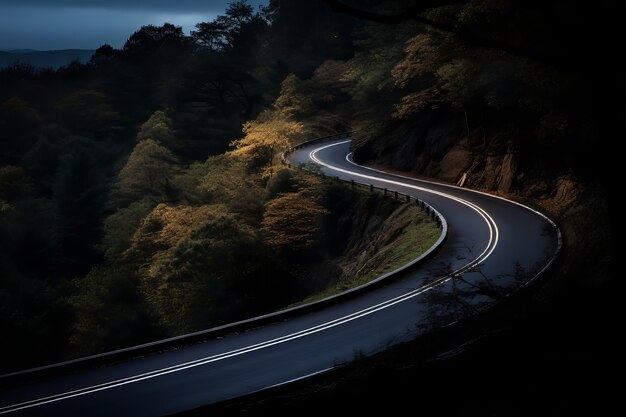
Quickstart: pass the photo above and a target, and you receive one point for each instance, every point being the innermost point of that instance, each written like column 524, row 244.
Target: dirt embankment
column 366, row 235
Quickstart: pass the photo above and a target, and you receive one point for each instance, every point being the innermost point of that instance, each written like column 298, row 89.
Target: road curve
column 493, row 247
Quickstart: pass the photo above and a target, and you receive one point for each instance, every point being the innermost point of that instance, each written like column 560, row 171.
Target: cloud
column 66, row 28
column 186, row 6
column 61, row 24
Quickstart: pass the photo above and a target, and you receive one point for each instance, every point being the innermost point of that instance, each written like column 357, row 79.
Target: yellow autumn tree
column 194, row 263
column 166, row 226
column 292, row 101
column 226, row 181
column 414, row 72
column 265, row 139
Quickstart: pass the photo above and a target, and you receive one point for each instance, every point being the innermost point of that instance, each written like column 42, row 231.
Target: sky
column 88, row 24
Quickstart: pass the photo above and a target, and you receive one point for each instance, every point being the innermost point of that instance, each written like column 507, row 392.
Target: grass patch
column 419, row 234
column 408, row 233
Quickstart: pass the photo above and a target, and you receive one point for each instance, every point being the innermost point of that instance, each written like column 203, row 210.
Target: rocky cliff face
column 496, row 160
column 510, row 161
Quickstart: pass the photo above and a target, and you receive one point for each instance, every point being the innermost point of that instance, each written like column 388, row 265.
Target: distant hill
column 44, row 59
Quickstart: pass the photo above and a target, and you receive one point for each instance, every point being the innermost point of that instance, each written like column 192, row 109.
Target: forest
column 125, row 179
column 142, row 194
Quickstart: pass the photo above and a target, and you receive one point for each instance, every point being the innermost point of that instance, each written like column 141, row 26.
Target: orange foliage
column 290, row 221
column 416, row 101
column 166, row 226
column 420, row 58
column 330, row 73
column 265, row 138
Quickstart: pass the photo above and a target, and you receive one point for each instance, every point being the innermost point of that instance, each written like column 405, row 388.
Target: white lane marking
column 215, row 358
column 300, row 378
column 282, row 339
column 537, row 212
column 491, row 224
column 559, row 237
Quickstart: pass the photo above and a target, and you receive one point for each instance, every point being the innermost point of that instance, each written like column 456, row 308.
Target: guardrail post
column 385, row 191
column 371, row 188
column 395, row 195
column 408, row 198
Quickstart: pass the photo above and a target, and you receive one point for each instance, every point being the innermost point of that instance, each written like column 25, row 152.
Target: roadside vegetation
column 141, row 199
column 142, row 196
column 405, row 234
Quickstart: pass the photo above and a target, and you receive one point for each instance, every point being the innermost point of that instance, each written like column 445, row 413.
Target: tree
column 210, row 35
column 330, row 74
column 423, row 56
column 292, row 101
column 147, row 172
column 265, row 138
column 150, row 38
column 108, row 311
column 157, row 128
column 104, row 54
column 229, row 31
column 429, row 13
column 226, row 180
column 14, row 183
column 303, row 34
column 80, row 195
column 88, row 112
column 290, row 222
column 239, row 12
column 120, row 226
column 19, row 128
column 197, row 265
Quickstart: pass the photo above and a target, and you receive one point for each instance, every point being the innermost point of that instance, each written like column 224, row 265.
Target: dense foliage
column 130, row 199
column 134, row 187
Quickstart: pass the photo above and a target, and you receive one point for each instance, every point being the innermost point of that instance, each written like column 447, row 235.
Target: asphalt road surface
column 493, row 247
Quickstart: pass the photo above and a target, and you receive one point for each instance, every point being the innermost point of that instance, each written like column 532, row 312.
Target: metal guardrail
column 434, row 214
column 108, row 358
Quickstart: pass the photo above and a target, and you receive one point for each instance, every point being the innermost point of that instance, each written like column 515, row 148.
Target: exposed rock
column 437, row 147
column 457, row 161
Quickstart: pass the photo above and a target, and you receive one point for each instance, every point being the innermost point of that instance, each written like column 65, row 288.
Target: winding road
column 493, row 247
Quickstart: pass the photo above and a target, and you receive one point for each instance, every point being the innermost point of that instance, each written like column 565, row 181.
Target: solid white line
column 300, row 378
column 282, row 339
column 238, row 352
column 217, row 357
column 491, row 224
column 537, row 212
column 559, row 237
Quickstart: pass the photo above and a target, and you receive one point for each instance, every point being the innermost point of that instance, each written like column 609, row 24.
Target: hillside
column 143, row 180
column 45, row 59
column 128, row 178
column 515, row 99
